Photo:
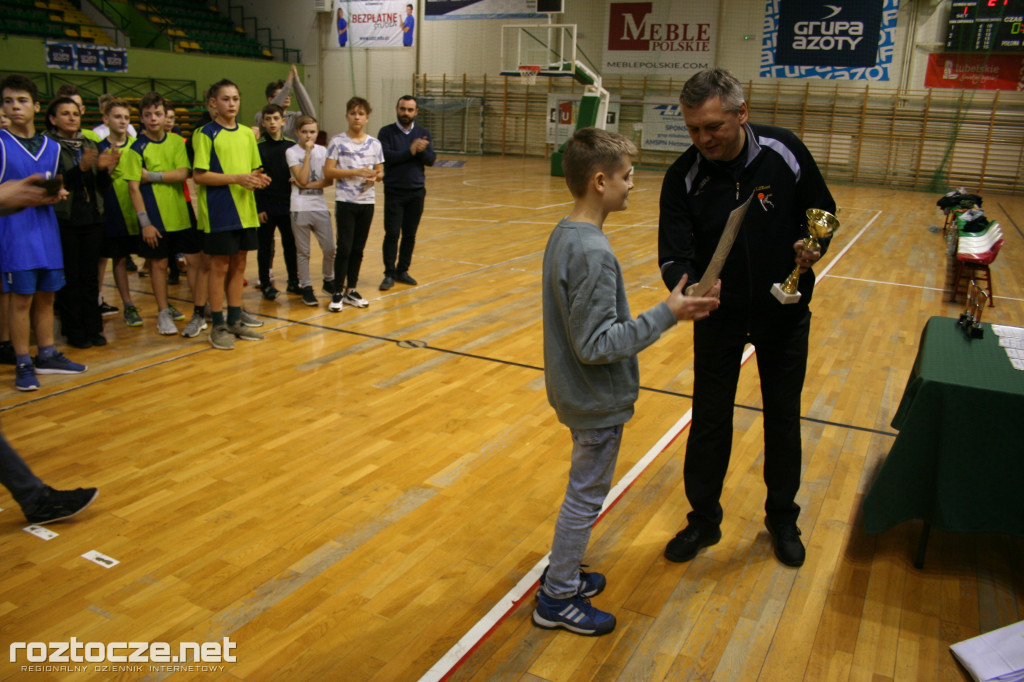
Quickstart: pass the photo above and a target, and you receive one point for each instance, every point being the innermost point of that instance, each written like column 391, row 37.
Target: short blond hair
column 591, row 150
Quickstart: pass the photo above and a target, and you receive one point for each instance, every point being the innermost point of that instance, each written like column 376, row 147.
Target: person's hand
column 254, row 180
column 151, row 236
column 256, row 131
column 308, row 145
column 690, row 307
column 714, row 292
column 294, row 75
column 263, row 217
column 108, row 160
column 418, row 145
column 25, row 193
column 805, row 258
column 88, row 158
column 368, row 173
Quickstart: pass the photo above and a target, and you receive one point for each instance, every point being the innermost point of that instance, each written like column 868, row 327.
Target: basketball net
column 529, row 74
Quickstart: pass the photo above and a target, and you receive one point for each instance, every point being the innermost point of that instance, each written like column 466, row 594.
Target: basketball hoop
column 529, row 74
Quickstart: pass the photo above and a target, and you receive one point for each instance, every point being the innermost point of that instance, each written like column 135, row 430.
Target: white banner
column 563, row 112
column 660, row 37
column 664, row 127
column 374, row 23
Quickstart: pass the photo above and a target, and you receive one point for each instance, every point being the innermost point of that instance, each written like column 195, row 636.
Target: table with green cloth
column 958, row 461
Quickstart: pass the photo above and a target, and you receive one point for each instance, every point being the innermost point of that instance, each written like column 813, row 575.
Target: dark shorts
column 31, row 281
column 120, row 246
column 173, row 243
column 231, row 242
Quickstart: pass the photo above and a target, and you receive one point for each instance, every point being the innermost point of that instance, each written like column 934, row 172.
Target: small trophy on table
column 821, row 224
column 970, row 318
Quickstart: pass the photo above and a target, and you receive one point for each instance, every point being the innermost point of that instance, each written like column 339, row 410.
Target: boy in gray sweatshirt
column 590, row 364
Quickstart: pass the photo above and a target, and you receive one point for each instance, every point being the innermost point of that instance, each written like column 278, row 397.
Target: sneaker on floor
column 177, row 314
column 132, row 318
column 405, row 278
column 25, row 377
column 591, row 584
column 690, row 540
column 270, row 292
column 107, row 309
column 7, row 355
column 165, row 322
column 194, row 326
column 353, row 299
column 250, row 320
column 308, row 297
column 221, row 338
column 130, row 265
column 58, row 364
column 574, row 614
column 786, row 541
column 337, row 302
column 293, row 288
column 58, row 505
column 98, row 340
column 386, row 283
column 241, row 331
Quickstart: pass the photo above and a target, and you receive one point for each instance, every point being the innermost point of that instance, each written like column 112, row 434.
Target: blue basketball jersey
column 29, row 239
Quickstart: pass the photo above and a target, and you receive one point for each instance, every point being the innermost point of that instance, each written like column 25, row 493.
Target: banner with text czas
column 812, row 39
column 82, row 57
column 374, row 23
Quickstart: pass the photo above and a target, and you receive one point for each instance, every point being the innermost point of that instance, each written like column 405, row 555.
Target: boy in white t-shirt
column 356, row 161
column 309, row 207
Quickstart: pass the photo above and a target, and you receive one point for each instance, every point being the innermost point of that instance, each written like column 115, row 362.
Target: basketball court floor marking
column 528, row 583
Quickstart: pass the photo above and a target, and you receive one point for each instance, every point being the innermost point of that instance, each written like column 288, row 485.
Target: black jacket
column 697, row 196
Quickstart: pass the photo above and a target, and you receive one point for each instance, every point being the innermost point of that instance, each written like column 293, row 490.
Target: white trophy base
column 784, row 298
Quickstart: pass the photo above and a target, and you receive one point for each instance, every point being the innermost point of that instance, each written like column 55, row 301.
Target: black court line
column 1010, row 218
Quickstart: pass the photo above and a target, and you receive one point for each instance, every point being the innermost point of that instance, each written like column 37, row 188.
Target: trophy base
column 784, row 298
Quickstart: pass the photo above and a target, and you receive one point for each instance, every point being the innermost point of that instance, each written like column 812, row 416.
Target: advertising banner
column 975, row 71
column 480, row 9
column 660, row 37
column 375, row 23
column 563, row 110
column 664, row 127
column 82, row 57
column 852, row 41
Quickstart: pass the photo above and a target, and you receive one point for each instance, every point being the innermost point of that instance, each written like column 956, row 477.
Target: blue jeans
column 25, row 487
column 594, row 454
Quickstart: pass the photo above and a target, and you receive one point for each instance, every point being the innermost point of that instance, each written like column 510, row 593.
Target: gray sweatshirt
column 590, row 339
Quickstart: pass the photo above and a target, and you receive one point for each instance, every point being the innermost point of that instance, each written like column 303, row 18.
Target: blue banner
column 81, row 57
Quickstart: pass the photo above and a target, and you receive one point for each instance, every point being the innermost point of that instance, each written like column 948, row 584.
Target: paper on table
column 1005, row 330
column 714, row 269
column 996, row 655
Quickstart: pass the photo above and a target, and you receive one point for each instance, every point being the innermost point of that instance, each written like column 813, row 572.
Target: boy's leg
column 284, row 226
column 20, row 322
column 302, row 239
column 25, row 486
column 325, row 236
column 215, row 282
column 158, row 273
column 236, row 278
column 42, row 319
column 593, row 463
column 363, row 220
column 265, row 252
column 121, row 280
column 346, row 225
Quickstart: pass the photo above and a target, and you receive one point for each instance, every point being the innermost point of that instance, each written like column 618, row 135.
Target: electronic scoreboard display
column 986, row 26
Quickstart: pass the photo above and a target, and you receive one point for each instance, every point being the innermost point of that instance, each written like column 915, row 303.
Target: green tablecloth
column 958, row 461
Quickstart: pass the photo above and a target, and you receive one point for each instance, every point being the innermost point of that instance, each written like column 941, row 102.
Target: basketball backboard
column 552, row 47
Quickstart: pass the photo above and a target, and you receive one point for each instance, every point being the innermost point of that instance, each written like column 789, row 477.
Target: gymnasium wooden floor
column 349, row 498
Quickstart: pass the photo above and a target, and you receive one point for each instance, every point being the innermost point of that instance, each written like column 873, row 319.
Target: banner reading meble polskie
column 661, row 37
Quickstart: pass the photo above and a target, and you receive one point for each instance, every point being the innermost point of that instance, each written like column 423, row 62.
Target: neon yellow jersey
column 226, row 150
column 165, row 201
column 117, row 202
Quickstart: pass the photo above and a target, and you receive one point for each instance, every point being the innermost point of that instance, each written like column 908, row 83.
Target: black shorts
column 173, row 243
column 120, row 246
column 230, row 242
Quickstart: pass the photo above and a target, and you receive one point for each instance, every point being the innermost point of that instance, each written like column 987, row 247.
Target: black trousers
column 77, row 303
column 353, row 222
column 781, row 346
column 402, row 211
column 265, row 252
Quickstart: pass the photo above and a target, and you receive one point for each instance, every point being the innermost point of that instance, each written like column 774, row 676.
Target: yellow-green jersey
column 117, row 202
column 223, row 208
column 165, row 201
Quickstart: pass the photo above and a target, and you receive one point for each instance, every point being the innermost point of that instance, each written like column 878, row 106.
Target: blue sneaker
column 25, row 377
column 591, row 584
column 58, row 364
column 575, row 615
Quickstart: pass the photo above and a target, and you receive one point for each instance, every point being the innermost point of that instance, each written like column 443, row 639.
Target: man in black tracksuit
column 730, row 159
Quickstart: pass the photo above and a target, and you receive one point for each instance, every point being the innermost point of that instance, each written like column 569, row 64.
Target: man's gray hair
column 710, row 83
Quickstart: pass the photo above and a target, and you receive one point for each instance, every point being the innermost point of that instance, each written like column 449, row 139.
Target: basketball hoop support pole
column 593, row 110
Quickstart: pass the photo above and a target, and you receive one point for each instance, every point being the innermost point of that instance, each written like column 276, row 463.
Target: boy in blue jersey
column 31, row 261
column 227, row 169
column 157, row 167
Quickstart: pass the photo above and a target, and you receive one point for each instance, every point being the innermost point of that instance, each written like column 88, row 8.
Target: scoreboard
column 986, row 26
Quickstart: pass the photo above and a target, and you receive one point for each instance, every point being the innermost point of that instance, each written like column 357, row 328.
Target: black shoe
column 130, row 265
column 98, row 340
column 687, row 542
column 786, row 539
column 76, row 342
column 293, row 287
column 61, row 504
column 386, row 283
column 174, row 278
column 308, row 297
column 329, row 286
column 107, row 309
column 7, row 356
column 270, row 292
column 404, row 278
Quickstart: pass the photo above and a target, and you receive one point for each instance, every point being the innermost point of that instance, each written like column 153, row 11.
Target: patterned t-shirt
column 350, row 155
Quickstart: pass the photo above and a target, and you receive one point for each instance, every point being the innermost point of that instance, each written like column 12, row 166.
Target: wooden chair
column 978, row 265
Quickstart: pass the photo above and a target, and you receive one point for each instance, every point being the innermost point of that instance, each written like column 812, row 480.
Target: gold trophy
column 821, row 224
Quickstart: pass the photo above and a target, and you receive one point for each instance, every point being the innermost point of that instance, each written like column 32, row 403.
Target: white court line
column 505, row 606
